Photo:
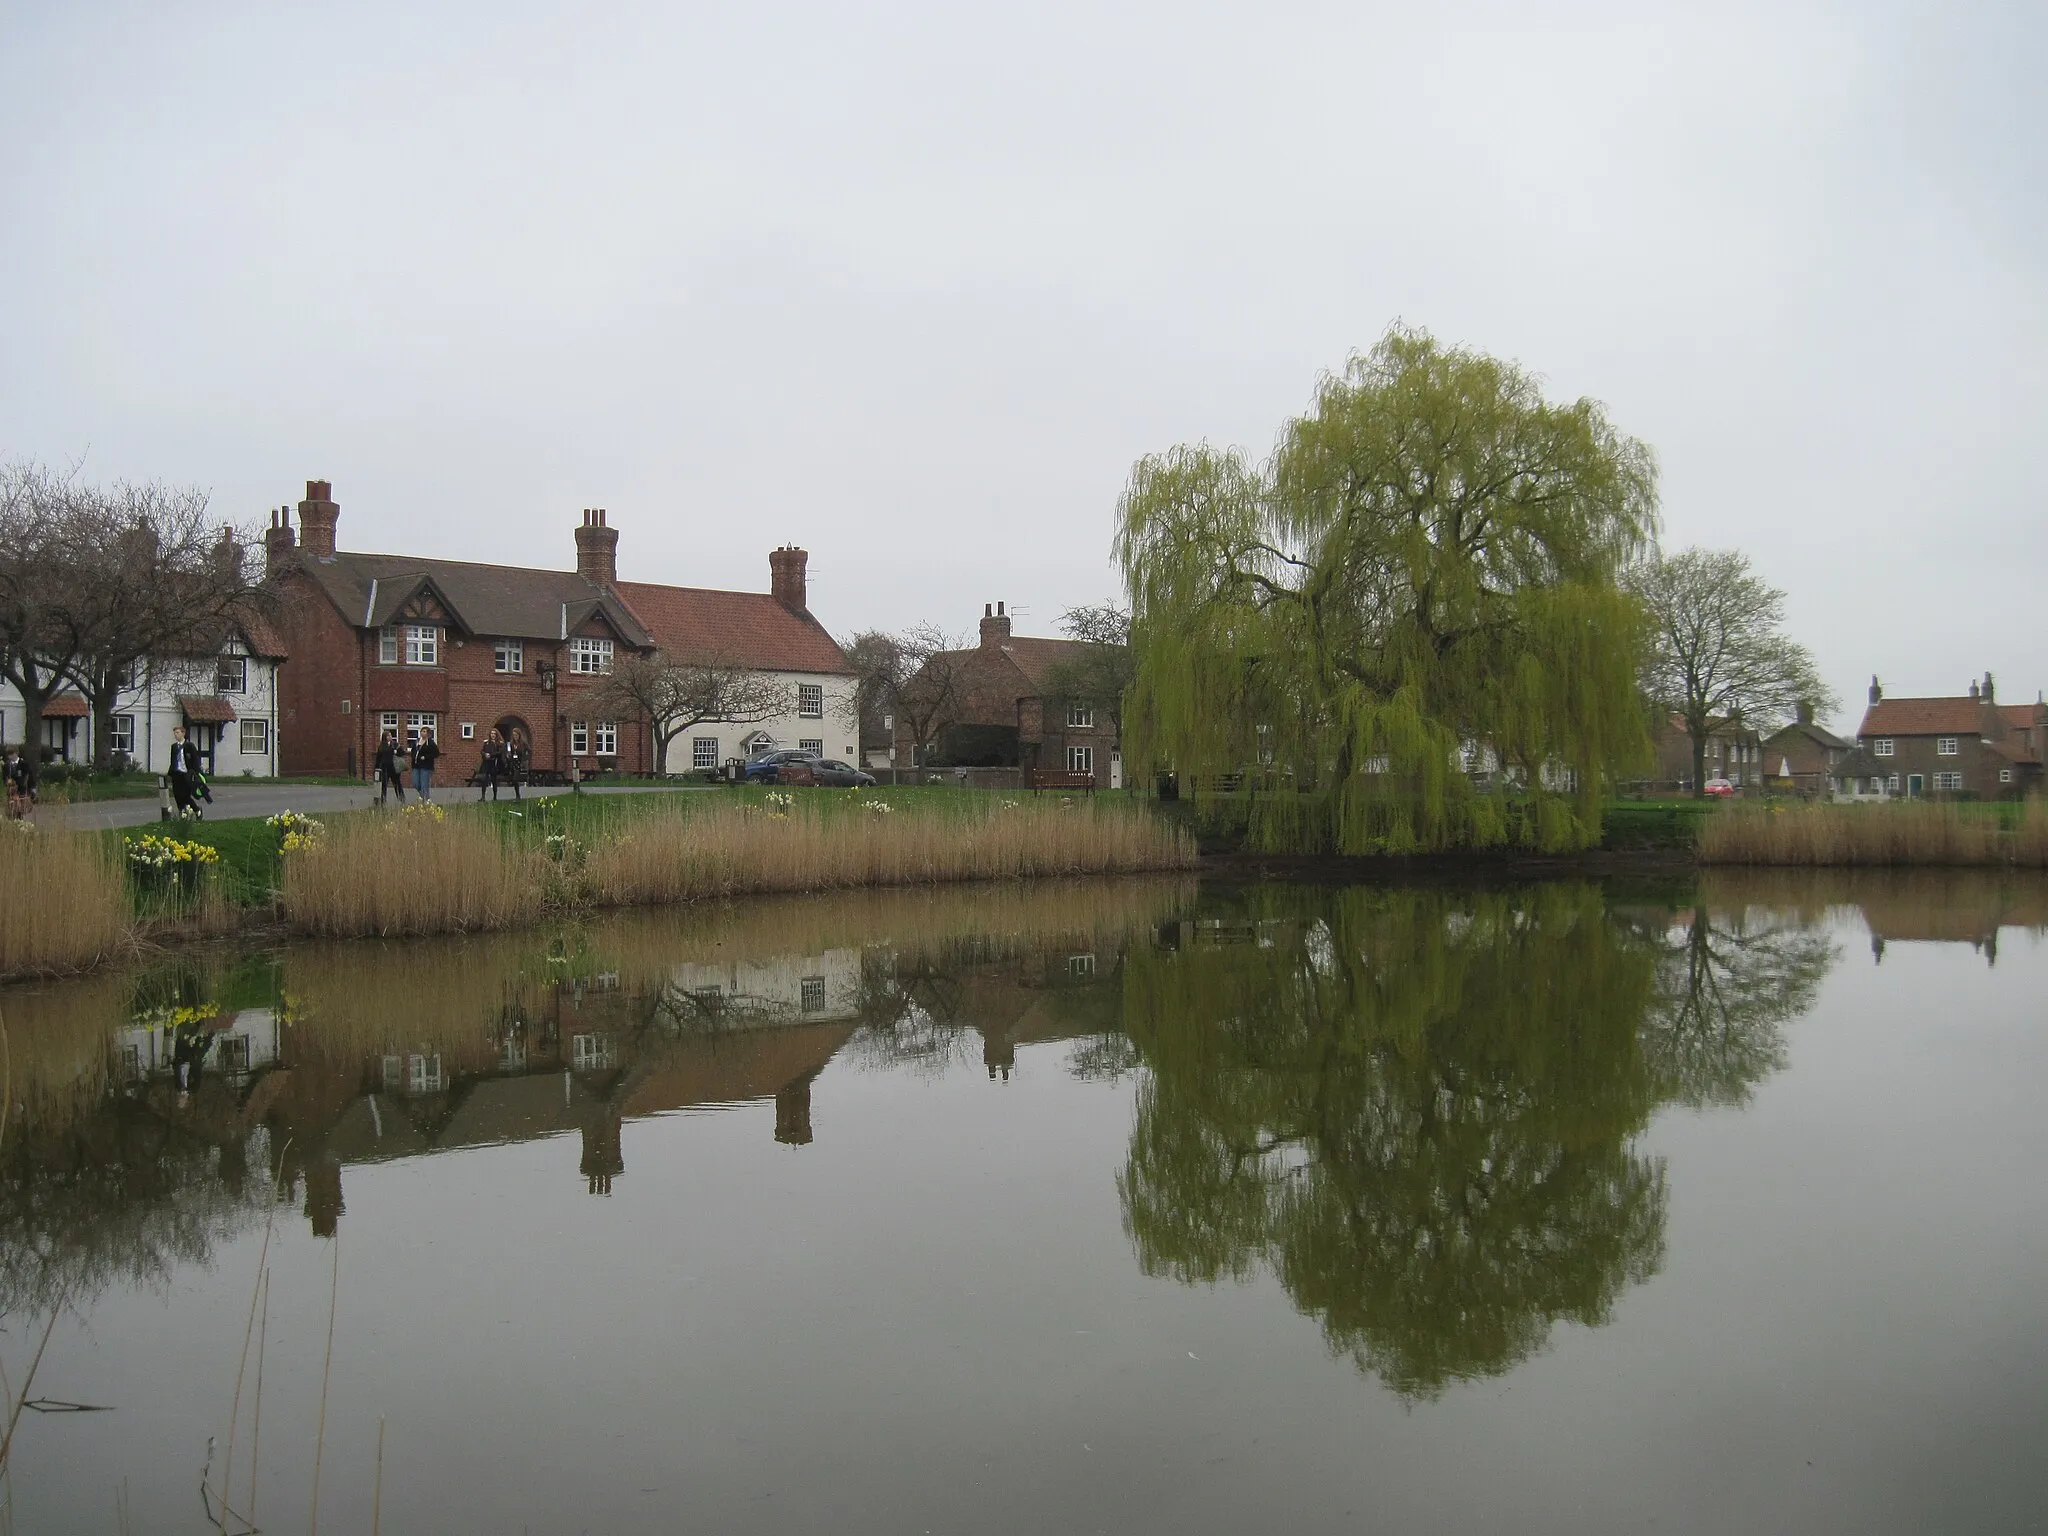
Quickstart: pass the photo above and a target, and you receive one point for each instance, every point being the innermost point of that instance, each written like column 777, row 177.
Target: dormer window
column 231, row 674
column 593, row 658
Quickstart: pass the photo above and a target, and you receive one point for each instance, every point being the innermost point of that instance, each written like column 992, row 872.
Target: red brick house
column 1967, row 745
column 1805, row 756
column 1734, row 753
column 1008, row 693
column 400, row 642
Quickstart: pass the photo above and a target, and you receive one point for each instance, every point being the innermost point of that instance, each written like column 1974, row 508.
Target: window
column 1080, row 965
column 1892, row 784
column 1080, row 717
column 1948, row 781
column 234, row 1052
column 469, row 730
column 704, row 752
column 815, row 745
column 812, row 994
column 387, row 645
column 590, row 1053
column 2005, row 775
column 1882, row 747
column 1080, row 759
column 423, row 1073
column 422, row 645
column 231, row 675
column 417, row 724
column 255, row 740
column 579, row 738
column 604, row 737
column 509, row 656
column 810, row 700
column 591, row 657
column 406, row 727
column 121, row 738
column 1944, row 746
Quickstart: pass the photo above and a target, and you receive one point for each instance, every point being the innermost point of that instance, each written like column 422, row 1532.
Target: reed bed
column 1914, row 834
column 412, row 874
column 736, row 850
column 420, row 874
column 67, row 905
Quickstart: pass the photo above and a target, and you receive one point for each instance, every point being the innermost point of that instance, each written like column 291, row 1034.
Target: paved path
column 232, row 801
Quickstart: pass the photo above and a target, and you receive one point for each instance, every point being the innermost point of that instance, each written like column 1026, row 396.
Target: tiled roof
column 1036, row 658
column 749, row 629
column 1818, row 735
column 65, row 706
column 1923, row 717
column 206, row 708
column 509, row 600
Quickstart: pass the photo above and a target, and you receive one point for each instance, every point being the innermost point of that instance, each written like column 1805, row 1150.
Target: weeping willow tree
column 1416, row 592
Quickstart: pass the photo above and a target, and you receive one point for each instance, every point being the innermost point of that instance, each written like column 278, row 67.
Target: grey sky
column 913, row 285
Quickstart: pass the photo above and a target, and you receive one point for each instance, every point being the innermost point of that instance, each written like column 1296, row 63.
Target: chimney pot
column 788, row 579
column 1990, row 697
column 318, row 514
column 1876, row 689
column 597, row 551
column 995, row 628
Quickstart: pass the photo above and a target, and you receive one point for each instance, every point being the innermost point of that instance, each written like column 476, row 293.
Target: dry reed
column 67, row 902
column 741, row 850
column 1916, row 833
column 411, row 874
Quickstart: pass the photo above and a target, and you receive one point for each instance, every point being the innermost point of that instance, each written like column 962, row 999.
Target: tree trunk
column 104, row 696
column 1699, row 764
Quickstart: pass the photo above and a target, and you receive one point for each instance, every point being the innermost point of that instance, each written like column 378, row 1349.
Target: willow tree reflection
column 1416, row 1108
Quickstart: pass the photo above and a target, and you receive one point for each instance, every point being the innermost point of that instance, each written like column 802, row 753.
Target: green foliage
column 1419, row 1109
column 1428, row 563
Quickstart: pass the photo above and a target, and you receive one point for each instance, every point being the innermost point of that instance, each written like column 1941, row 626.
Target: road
column 233, row 801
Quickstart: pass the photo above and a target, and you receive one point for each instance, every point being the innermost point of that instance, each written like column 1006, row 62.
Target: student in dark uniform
column 186, row 774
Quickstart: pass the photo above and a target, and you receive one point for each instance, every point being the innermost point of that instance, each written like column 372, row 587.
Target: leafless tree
column 918, row 678
column 672, row 696
column 1102, row 671
column 95, row 582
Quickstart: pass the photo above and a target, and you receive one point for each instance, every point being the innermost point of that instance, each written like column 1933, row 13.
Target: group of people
column 504, row 762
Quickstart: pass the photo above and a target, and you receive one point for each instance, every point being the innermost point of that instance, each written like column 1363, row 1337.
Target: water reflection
column 1421, row 1110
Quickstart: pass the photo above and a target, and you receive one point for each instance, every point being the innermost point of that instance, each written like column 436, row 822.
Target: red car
column 1719, row 786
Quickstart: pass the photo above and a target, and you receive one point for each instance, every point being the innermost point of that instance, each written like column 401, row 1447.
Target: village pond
column 1126, row 1206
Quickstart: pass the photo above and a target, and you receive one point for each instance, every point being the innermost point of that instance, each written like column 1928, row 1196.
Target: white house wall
column 154, row 706
column 839, row 730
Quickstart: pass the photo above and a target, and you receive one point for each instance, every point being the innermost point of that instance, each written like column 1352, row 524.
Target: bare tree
column 672, row 696
column 917, row 677
column 1716, row 647
column 1101, row 673
column 41, row 513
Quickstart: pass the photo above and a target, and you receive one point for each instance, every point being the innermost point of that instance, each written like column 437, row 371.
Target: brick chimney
column 786, row 577
column 597, row 549
column 1990, row 694
column 1876, row 689
column 995, row 627
column 1805, row 712
column 278, row 540
column 318, row 514
column 1974, row 695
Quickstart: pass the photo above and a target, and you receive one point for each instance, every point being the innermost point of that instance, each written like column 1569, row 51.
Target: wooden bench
column 1051, row 778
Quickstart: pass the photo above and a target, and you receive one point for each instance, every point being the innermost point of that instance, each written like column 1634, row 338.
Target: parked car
column 767, row 768
column 838, row 775
column 1719, row 786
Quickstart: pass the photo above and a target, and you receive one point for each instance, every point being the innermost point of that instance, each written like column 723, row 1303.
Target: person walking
column 185, row 774
column 515, row 764
column 21, row 785
column 387, row 768
column 492, row 765
column 424, row 756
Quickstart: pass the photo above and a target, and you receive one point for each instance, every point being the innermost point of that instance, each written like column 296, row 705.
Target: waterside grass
column 473, row 870
column 67, row 903
column 1919, row 833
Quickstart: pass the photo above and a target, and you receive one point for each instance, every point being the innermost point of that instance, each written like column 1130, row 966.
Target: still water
column 1113, row 1207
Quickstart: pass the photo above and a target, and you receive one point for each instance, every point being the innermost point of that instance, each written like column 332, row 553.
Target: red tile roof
column 1036, row 657
column 65, row 706
column 1923, row 717
column 206, row 708
column 750, row 629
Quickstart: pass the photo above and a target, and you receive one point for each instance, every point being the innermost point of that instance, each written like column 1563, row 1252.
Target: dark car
column 838, row 775
column 767, row 768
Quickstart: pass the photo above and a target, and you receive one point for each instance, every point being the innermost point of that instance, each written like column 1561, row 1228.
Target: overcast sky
column 914, row 285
